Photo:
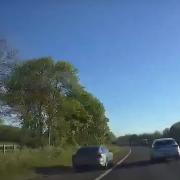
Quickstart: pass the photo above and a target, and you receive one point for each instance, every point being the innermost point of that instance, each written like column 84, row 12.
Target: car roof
column 92, row 146
column 88, row 148
column 164, row 139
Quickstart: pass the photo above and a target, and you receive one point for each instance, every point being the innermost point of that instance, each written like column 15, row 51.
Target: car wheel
column 111, row 164
column 76, row 168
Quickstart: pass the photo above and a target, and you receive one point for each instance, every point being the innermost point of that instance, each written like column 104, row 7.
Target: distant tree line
column 147, row 138
column 52, row 106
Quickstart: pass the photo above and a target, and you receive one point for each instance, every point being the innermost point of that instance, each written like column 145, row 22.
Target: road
column 136, row 167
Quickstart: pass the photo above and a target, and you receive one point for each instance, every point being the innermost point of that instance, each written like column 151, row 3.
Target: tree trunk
column 49, row 136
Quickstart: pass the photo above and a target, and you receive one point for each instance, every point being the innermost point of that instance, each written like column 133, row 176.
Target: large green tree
column 174, row 131
column 53, row 106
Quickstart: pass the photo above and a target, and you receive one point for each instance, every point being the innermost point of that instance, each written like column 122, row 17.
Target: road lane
column 115, row 165
column 138, row 167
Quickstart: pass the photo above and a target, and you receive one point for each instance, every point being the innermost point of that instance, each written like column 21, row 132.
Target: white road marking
column 109, row 170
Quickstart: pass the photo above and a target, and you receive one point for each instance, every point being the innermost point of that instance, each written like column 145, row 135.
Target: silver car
column 165, row 148
column 98, row 156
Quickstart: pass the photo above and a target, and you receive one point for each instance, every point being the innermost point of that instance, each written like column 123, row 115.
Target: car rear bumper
column 97, row 163
column 89, row 164
column 164, row 155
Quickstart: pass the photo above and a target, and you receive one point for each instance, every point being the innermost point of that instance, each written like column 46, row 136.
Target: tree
column 10, row 134
column 8, row 59
column 175, row 131
column 31, row 91
column 98, row 128
column 139, row 139
column 54, row 106
column 111, row 137
column 166, row 132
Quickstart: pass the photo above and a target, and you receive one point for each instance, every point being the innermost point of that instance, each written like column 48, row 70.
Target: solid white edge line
column 109, row 170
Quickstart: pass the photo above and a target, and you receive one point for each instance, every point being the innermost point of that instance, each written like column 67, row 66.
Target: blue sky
column 127, row 52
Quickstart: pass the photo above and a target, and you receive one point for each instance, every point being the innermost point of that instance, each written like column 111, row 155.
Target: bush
column 10, row 134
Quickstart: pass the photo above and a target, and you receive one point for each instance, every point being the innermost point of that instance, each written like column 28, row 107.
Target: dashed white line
column 109, row 170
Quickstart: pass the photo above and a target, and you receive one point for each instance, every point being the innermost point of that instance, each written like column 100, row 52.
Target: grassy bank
column 24, row 162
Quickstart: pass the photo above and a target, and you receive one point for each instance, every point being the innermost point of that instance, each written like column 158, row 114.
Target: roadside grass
column 21, row 164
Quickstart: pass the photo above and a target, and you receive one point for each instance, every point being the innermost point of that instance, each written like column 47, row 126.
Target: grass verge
column 23, row 162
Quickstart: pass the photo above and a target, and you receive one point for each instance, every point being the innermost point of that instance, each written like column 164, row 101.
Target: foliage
column 52, row 105
column 166, row 133
column 1, row 121
column 8, row 60
column 30, row 160
column 8, row 57
column 174, row 131
column 10, row 134
column 140, row 139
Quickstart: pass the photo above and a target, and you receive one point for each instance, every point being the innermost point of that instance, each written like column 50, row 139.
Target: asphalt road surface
column 136, row 167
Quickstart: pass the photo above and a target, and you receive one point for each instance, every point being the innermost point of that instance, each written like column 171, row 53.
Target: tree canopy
column 53, row 106
column 174, row 131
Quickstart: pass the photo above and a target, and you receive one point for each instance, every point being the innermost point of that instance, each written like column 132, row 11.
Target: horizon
column 127, row 53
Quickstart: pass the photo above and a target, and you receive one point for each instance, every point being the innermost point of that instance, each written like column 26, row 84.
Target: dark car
column 98, row 156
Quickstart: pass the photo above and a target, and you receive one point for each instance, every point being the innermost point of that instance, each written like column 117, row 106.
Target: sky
column 127, row 52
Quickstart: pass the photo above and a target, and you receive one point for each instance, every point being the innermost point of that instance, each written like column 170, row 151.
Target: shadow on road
column 55, row 170
column 142, row 163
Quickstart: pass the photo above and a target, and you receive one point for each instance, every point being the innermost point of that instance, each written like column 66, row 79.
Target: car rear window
column 164, row 143
column 87, row 150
